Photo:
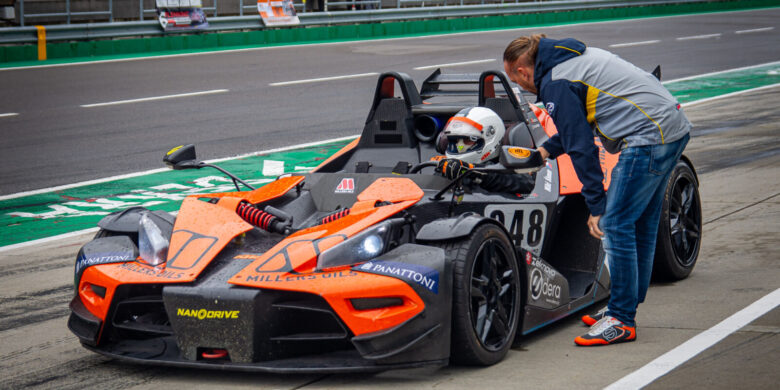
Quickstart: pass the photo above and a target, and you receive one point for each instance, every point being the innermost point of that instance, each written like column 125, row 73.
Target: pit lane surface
column 738, row 155
column 58, row 136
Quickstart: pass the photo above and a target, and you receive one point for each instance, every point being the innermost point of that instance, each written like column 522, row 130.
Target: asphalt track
column 735, row 148
column 53, row 140
column 738, row 264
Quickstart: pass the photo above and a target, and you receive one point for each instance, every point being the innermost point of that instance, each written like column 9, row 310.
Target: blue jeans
column 630, row 222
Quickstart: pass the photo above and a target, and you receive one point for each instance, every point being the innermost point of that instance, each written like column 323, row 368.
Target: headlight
column 359, row 248
column 152, row 245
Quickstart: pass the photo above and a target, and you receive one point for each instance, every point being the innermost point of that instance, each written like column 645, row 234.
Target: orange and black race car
column 372, row 261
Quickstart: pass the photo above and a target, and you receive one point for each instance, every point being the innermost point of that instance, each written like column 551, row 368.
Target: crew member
column 591, row 92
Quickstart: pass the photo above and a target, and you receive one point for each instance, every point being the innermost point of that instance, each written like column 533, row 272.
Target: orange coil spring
column 255, row 216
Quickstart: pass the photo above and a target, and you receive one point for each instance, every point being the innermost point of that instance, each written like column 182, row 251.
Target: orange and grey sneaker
column 590, row 319
column 608, row 330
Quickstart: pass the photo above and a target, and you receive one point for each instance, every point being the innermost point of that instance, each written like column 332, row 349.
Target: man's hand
column 593, row 226
column 451, row 168
column 544, row 152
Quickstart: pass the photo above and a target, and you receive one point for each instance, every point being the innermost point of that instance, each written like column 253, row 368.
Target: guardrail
column 150, row 28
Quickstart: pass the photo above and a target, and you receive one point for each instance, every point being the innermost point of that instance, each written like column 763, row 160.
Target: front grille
column 306, row 320
column 142, row 316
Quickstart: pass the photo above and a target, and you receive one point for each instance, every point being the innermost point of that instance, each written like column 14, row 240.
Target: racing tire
column 679, row 230
column 486, row 296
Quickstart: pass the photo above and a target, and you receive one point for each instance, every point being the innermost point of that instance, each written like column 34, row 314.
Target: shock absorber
column 270, row 219
column 255, row 216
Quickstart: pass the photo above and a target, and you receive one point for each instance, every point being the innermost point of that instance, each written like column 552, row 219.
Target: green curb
column 25, row 55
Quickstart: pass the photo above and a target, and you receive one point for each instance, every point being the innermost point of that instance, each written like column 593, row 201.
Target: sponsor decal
column 519, row 152
column 151, row 271
column 422, row 275
column 542, row 284
column 528, row 257
column 549, row 271
column 297, row 278
column 203, row 314
column 484, row 156
column 102, row 258
column 548, row 180
column 347, row 186
column 550, row 106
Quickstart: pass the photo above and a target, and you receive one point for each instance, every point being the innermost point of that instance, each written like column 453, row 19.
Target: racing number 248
column 525, row 224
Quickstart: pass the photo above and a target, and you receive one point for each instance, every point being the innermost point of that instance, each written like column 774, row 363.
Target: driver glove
column 452, row 168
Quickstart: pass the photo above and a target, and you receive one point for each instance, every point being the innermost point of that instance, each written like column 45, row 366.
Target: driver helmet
column 474, row 135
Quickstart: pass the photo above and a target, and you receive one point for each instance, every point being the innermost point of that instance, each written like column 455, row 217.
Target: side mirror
column 182, row 157
column 521, row 160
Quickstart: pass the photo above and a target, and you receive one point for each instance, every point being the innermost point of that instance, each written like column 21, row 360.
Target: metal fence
column 234, row 8
column 118, row 29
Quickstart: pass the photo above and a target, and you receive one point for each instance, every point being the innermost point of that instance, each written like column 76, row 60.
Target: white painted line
column 348, row 76
column 151, row 171
column 454, row 64
column 148, row 99
column 705, row 36
column 755, row 30
column 273, row 167
column 722, row 71
column 687, row 350
column 728, row 95
column 9, row 114
column 48, row 239
column 629, row 44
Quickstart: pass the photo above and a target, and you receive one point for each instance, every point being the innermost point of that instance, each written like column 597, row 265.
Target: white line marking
column 349, row 76
column 151, row 171
column 296, row 47
column 755, row 30
column 48, row 239
column 705, row 36
column 147, row 99
column 728, row 95
column 9, row 114
column 454, row 64
column 687, row 350
column 722, row 71
column 642, row 43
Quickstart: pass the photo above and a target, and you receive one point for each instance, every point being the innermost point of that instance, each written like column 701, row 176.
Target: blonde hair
column 519, row 47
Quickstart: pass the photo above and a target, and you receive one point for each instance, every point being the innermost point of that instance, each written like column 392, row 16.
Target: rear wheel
column 679, row 231
column 486, row 296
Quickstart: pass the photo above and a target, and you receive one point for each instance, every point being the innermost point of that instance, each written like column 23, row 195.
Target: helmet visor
column 462, row 144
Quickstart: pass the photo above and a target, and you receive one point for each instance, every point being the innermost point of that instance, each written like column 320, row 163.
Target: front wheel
column 486, row 296
column 679, row 231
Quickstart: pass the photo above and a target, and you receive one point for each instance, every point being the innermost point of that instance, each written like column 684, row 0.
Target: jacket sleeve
column 508, row 182
column 576, row 138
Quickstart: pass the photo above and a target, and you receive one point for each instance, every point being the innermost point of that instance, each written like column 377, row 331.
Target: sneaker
column 590, row 319
column 608, row 330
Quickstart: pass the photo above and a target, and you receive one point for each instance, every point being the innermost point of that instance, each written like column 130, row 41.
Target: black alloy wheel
column 492, row 295
column 680, row 228
column 486, row 296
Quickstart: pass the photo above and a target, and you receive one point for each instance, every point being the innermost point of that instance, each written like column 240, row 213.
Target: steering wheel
column 422, row 165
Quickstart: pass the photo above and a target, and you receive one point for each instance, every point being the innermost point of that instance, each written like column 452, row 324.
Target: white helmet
column 474, row 135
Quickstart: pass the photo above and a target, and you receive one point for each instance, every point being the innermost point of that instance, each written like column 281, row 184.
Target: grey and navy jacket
column 589, row 91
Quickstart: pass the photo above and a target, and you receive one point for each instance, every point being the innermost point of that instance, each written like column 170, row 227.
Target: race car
column 372, row 261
